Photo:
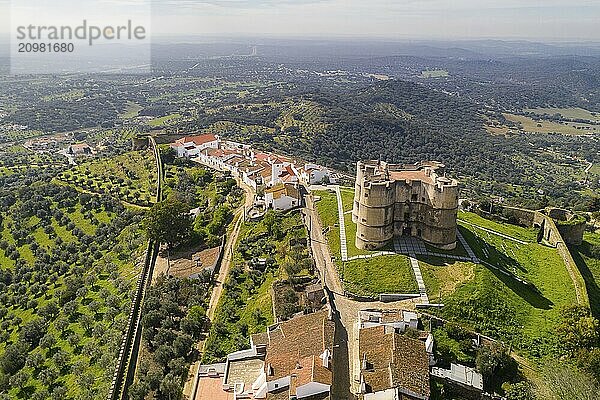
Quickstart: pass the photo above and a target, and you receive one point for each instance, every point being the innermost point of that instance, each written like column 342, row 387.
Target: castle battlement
column 412, row 200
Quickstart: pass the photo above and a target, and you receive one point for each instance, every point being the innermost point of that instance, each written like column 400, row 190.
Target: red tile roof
column 197, row 140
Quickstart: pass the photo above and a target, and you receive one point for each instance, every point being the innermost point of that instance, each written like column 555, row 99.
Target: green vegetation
column 514, row 231
column 494, row 302
column 245, row 307
column 65, row 289
column 174, row 318
column 528, row 124
column 382, row 274
column 131, row 111
column 168, row 222
column 434, row 73
column 166, row 120
column 131, row 177
column 568, row 112
column 366, row 277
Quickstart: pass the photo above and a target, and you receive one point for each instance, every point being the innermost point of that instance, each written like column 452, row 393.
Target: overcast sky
column 525, row 19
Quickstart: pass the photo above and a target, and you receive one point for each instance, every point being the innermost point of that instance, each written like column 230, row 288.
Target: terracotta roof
column 282, row 189
column 393, row 360
column 300, row 341
column 197, row 140
column 212, row 388
column 261, row 156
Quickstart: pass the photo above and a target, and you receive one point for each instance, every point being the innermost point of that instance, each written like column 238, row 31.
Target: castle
column 410, row 200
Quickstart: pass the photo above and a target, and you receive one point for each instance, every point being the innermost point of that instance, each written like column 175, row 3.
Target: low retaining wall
column 389, row 297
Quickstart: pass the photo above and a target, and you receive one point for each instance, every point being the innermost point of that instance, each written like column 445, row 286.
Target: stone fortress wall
column 411, row 200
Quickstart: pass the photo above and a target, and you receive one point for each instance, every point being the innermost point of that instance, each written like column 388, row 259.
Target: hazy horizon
column 553, row 20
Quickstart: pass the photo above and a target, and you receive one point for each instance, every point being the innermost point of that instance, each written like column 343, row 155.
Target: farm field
column 571, row 113
column 130, row 176
column 167, row 119
column 543, row 126
column 67, row 267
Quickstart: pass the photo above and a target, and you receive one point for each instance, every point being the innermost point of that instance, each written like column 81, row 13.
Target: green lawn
column 497, row 304
column 328, row 212
column 384, row 274
column 442, row 275
column 518, row 232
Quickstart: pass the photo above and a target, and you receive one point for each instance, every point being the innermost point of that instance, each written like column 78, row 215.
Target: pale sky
column 428, row 19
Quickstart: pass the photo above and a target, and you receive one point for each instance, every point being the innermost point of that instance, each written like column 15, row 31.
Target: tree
column 35, row 360
column 168, row 222
column 520, row 391
column 170, row 387
column 578, row 329
column 194, row 322
column 48, row 341
column 19, row 379
column 494, row 363
column 138, row 390
column 61, row 324
column 50, row 310
column 33, row 331
column 13, row 358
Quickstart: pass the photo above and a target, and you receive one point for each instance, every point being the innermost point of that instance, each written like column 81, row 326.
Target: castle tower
column 404, row 200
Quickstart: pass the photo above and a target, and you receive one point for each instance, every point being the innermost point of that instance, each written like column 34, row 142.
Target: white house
column 313, row 174
column 461, row 375
column 191, row 146
column 282, row 197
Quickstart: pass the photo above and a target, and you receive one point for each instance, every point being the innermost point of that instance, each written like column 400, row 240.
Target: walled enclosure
column 411, row 200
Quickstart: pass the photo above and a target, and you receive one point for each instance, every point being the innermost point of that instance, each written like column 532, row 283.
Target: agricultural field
column 434, row 73
column 67, row 269
column 570, row 113
column 543, row 126
column 166, row 120
column 245, row 307
column 130, row 176
column 132, row 110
